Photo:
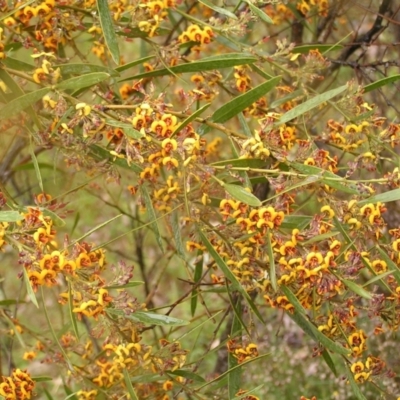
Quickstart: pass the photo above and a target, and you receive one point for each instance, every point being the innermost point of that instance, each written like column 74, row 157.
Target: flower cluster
column 18, row 386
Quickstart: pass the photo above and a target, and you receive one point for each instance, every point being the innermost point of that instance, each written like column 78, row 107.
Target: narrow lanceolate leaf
column 10, row 216
column 108, row 28
column 271, row 260
column 37, row 169
column 29, row 289
column 133, row 63
column 301, row 319
column 83, row 81
column 217, row 9
column 16, row 64
column 188, row 375
column 391, row 195
column 125, row 285
column 357, row 289
column 378, row 278
column 241, row 194
column 190, row 118
column 260, row 14
column 128, row 129
column 381, row 82
column 310, row 104
column 54, row 217
column 296, row 221
column 95, row 229
column 152, row 216
column 82, row 69
column 235, row 285
column 13, row 89
column 198, row 272
column 242, row 163
column 129, row 386
column 327, row 177
column 149, row 318
column 329, row 361
column 322, row 48
column 239, row 103
column 176, row 230
column 235, row 376
column 22, row 102
column 72, row 315
column 206, row 64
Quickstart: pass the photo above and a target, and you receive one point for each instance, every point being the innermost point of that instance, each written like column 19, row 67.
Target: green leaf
column 241, row 194
column 37, row 169
column 130, row 284
column 29, row 289
column 310, row 104
column 235, row 285
column 55, row 218
column 322, row 48
column 235, row 374
column 53, row 333
column 8, row 302
column 308, row 327
column 42, row 378
column 239, row 103
column 48, row 395
column 218, row 10
column 10, row 216
column 393, row 267
column 176, row 230
column 353, row 384
column 133, row 63
column 329, row 361
column 108, row 27
column 102, row 154
column 357, row 289
column 18, row 65
column 283, row 100
column 188, row 375
column 96, row 228
column 83, row 81
column 127, row 128
column 206, row 64
column 152, row 216
column 331, row 179
column 245, row 126
column 320, row 238
column 72, row 315
column 242, row 163
column 22, row 102
column 237, row 313
column 82, row 69
column 190, row 118
column 377, row 278
column 129, row 386
column 391, row 195
column 150, row 318
column 198, row 272
column 296, row 221
column 271, row 260
column 260, row 14
column 380, row 83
